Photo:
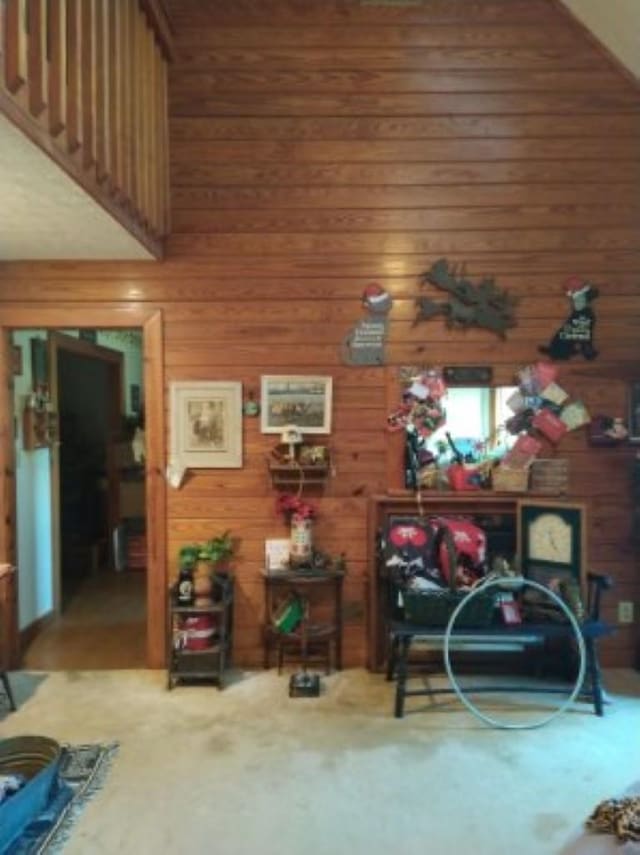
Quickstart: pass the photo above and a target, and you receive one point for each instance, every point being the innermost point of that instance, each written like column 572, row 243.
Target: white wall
column 33, row 504
column 616, row 23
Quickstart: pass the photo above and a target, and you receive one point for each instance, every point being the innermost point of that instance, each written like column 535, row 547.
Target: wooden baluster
column 87, row 82
column 134, row 83
column 14, row 46
column 74, row 75
column 155, row 138
column 37, row 65
column 113, row 59
column 143, row 160
column 124, row 82
column 57, row 66
column 100, row 62
column 164, row 100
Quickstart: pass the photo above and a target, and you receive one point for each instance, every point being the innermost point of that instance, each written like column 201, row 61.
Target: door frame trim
column 78, row 316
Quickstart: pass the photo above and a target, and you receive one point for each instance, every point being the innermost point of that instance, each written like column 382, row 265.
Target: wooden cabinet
column 200, row 638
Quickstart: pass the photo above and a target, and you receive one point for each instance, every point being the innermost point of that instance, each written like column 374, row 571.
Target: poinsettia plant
column 290, row 505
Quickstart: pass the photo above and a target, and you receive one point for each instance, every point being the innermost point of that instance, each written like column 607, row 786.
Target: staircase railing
column 86, row 80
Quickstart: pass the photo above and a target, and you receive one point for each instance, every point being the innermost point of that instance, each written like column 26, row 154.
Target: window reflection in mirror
column 475, row 418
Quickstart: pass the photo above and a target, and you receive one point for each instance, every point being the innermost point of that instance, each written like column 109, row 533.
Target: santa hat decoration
column 574, row 287
column 375, row 298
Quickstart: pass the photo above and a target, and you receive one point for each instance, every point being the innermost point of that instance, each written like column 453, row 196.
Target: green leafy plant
column 213, row 551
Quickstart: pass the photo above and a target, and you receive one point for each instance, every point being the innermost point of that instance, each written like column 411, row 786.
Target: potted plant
column 204, row 560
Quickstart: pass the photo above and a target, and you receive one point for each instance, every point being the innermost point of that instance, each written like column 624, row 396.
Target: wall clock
column 552, row 540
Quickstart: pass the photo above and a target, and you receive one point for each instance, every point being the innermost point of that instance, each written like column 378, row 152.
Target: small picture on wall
column 304, row 401
column 39, row 364
column 16, row 359
column 134, row 397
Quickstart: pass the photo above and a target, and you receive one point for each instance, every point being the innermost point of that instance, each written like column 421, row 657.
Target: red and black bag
column 408, row 549
column 470, row 543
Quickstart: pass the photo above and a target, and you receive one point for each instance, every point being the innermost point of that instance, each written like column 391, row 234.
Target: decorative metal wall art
column 482, row 305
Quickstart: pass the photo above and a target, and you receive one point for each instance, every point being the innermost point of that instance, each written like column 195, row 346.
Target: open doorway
column 93, row 388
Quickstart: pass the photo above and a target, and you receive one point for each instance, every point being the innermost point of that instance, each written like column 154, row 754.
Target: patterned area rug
column 83, row 769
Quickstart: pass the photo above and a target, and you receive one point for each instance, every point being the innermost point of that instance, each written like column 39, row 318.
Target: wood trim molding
column 29, row 633
column 158, row 17
column 14, row 316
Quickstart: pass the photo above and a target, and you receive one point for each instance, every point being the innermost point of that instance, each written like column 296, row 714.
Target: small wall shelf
column 293, row 474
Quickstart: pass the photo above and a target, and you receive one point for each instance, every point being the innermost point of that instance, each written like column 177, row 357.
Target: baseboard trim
column 28, row 634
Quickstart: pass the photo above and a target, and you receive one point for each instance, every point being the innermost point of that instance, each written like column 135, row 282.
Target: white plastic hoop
column 514, row 582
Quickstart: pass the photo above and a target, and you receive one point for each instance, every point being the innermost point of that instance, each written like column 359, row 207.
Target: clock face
column 550, row 539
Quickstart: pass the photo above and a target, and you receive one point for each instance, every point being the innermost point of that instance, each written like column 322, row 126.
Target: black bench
column 402, row 634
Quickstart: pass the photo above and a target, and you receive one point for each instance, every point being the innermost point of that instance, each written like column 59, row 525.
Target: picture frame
column 277, row 552
column 206, row 424
column 633, row 414
column 39, row 364
column 16, row 359
column 552, row 540
column 301, row 400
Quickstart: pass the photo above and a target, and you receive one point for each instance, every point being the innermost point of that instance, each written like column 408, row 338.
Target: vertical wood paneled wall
column 87, row 81
column 319, row 145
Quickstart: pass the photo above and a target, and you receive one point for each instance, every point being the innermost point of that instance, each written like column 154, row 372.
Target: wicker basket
column 434, row 608
column 510, row 480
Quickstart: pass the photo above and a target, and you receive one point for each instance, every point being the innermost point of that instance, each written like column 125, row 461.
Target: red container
column 198, row 632
column 462, row 477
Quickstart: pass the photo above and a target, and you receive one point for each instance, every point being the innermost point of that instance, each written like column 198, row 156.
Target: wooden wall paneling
column 317, row 147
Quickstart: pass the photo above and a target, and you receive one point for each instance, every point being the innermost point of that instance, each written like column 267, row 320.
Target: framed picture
column 552, row 541
column 134, row 397
column 304, row 401
column 276, row 555
column 634, row 411
column 39, row 364
column 206, row 424
column 16, row 359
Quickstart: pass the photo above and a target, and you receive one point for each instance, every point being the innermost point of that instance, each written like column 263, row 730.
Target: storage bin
column 38, row 759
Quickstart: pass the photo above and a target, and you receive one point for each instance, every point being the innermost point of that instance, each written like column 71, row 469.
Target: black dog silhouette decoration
column 576, row 333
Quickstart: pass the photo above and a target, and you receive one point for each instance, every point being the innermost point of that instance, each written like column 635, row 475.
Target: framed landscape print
column 206, row 424
column 303, row 401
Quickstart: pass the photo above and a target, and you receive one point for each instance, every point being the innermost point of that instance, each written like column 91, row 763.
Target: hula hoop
column 516, row 582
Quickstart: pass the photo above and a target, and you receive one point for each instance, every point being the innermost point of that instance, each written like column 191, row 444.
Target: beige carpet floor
column 249, row 771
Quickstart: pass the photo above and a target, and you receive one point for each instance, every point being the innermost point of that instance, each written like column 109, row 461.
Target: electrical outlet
column 625, row 611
